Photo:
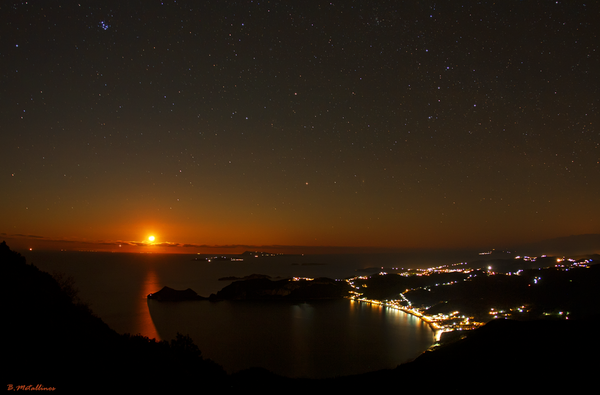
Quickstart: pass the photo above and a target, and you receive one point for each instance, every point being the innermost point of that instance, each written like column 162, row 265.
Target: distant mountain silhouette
column 569, row 245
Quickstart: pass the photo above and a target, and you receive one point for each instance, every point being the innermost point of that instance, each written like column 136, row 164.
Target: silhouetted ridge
column 51, row 340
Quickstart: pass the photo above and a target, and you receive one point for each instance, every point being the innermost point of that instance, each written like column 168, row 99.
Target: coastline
column 437, row 330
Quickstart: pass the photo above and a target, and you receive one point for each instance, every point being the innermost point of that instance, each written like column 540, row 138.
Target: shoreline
column 437, row 330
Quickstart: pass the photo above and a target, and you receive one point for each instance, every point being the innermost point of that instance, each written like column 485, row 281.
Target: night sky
column 383, row 124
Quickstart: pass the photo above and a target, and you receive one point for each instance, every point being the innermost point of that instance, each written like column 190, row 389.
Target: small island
column 167, row 294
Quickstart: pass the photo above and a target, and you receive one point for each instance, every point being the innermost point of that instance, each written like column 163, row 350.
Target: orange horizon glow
column 38, row 243
column 190, row 232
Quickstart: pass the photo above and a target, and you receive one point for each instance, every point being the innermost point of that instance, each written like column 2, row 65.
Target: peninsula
column 296, row 288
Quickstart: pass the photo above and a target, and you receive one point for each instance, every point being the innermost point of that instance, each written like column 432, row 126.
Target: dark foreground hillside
column 53, row 340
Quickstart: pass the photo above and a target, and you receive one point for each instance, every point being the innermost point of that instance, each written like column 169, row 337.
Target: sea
column 315, row 339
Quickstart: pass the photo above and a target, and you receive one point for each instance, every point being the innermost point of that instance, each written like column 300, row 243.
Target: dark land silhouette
column 53, row 339
column 542, row 288
column 265, row 289
column 167, row 294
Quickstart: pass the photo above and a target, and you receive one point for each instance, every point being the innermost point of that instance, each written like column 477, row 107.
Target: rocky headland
column 167, row 294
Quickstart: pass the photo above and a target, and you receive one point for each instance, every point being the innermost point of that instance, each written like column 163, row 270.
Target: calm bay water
column 317, row 339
